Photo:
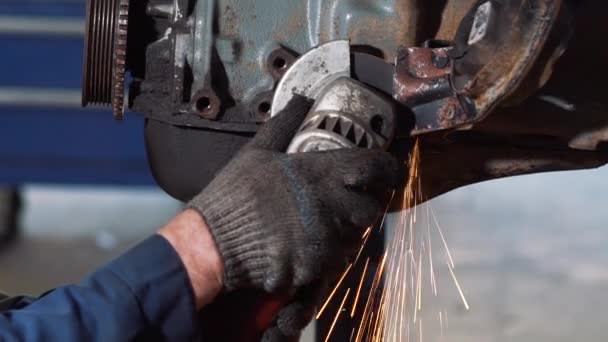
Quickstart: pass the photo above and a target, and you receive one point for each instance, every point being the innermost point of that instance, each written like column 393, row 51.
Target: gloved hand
column 281, row 221
column 295, row 316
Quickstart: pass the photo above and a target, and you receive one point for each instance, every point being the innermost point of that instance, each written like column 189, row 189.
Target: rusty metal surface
column 485, row 63
column 562, row 126
column 564, row 129
column 491, row 58
column 422, row 75
column 447, row 167
column 452, row 13
column 422, row 83
column 243, row 50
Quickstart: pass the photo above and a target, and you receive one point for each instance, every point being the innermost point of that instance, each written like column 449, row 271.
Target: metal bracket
column 454, row 85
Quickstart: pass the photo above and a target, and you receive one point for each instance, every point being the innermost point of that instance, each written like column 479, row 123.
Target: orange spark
column 352, row 313
column 333, row 324
column 334, row 291
column 367, row 231
column 362, row 247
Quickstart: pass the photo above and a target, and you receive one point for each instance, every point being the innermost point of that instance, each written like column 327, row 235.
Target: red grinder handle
column 241, row 316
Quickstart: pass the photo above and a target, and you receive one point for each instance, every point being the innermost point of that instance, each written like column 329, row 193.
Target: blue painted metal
column 249, row 31
column 53, row 145
column 255, row 42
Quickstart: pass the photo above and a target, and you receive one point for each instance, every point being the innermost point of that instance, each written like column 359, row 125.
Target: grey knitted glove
column 281, row 220
column 295, row 316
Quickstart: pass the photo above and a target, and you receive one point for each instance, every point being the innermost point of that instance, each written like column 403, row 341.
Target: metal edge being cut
column 105, row 54
column 311, row 72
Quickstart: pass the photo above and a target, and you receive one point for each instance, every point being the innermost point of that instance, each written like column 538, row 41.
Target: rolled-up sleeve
column 146, row 289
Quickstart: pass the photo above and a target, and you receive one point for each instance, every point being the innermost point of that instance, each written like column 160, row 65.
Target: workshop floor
column 531, row 253
column 67, row 232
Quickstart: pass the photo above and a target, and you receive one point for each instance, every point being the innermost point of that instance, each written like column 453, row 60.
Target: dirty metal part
column 312, row 72
column 346, row 114
column 207, row 104
column 200, row 63
column 563, row 126
column 418, row 79
column 184, row 159
column 490, row 58
column 450, row 17
column 279, row 61
column 572, row 106
column 261, row 106
column 105, row 54
column 456, row 157
column 236, row 57
column 542, row 69
column 457, row 86
column 422, row 82
column 481, row 157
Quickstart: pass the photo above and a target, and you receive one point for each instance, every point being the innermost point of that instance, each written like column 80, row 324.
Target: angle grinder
column 348, row 112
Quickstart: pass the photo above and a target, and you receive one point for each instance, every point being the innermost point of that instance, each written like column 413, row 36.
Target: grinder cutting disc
column 105, row 53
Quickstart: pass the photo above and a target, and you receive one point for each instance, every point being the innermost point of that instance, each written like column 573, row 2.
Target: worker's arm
column 269, row 221
column 145, row 291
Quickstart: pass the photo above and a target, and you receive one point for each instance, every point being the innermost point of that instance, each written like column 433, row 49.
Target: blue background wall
column 41, row 144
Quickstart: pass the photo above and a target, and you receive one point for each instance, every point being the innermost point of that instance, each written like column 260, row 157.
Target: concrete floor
column 68, row 232
column 532, row 256
column 531, row 252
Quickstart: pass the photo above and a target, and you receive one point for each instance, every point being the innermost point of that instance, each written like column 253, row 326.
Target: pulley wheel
column 105, row 52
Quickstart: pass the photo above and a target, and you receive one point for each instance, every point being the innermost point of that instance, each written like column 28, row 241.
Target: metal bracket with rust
column 422, row 82
column 455, row 86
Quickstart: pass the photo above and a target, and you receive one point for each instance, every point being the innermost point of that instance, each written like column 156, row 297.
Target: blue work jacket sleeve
column 145, row 289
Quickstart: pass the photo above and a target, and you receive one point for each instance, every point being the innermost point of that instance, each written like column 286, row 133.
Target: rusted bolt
column 206, row 104
column 440, row 59
column 439, row 52
column 278, row 62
